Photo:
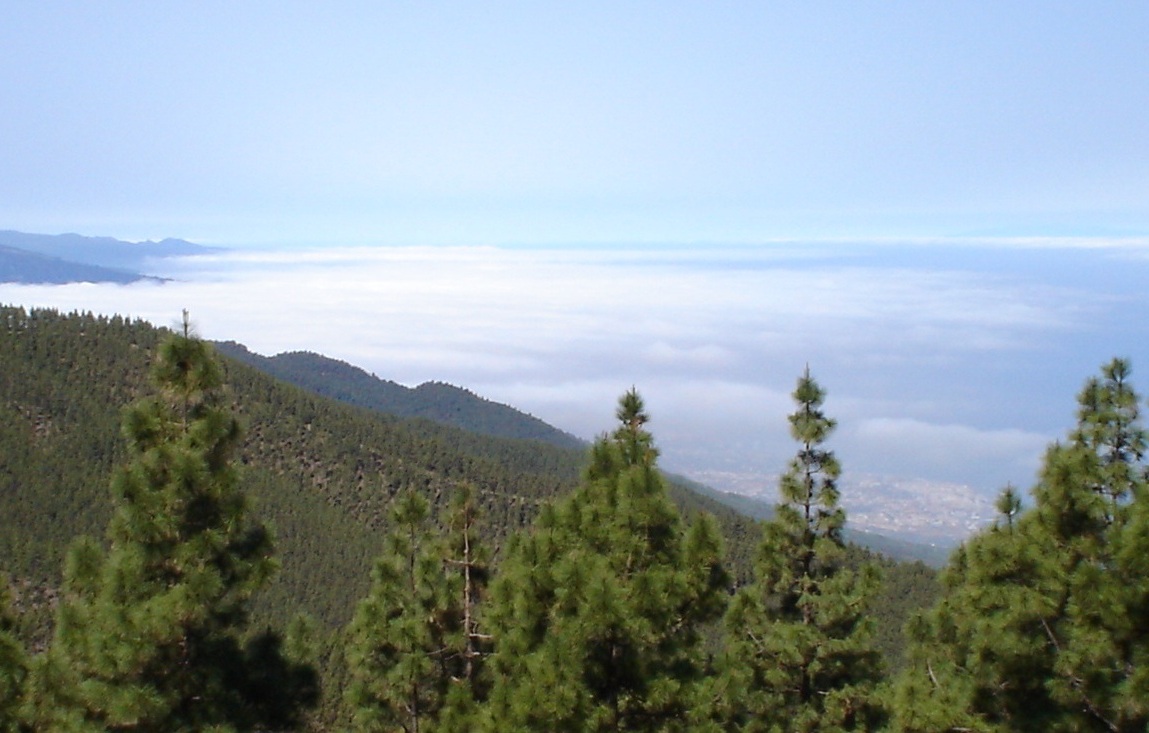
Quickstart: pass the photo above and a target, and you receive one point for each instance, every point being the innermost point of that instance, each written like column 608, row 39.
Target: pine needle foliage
column 800, row 653
column 13, row 665
column 397, row 681
column 1044, row 620
column 151, row 632
column 597, row 611
column 468, row 561
column 414, row 645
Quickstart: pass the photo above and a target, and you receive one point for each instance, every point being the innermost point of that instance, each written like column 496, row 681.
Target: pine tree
column 597, row 612
column 151, row 633
column 1044, row 624
column 415, row 650
column 800, row 655
column 1008, row 505
column 1089, row 493
column 468, row 560
column 978, row 660
column 398, row 638
column 13, row 665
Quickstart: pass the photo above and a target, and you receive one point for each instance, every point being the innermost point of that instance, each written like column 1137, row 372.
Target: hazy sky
column 526, row 122
column 694, row 198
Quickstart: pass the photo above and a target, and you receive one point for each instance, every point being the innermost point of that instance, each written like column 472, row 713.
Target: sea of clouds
column 949, row 362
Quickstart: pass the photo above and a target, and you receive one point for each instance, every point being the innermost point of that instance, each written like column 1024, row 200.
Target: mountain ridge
column 60, row 259
column 437, row 401
column 32, row 268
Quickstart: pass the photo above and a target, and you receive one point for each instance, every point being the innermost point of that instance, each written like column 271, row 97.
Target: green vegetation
column 518, row 585
column 13, row 666
column 1043, row 621
column 150, row 635
column 322, row 473
column 435, row 401
column 799, row 655
column 597, row 612
column 413, row 645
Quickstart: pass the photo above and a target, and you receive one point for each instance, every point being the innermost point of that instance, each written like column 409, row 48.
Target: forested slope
column 323, row 473
column 443, row 403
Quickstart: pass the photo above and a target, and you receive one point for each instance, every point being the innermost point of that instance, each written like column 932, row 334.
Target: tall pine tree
column 800, row 655
column 597, row 611
column 1044, row 624
column 468, row 560
column 398, row 642
column 151, row 633
column 414, row 646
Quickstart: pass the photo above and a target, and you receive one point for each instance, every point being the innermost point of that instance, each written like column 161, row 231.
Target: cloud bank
column 929, row 364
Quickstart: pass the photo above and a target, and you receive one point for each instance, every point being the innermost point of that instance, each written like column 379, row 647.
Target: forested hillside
column 323, row 472
column 329, row 479
column 443, row 403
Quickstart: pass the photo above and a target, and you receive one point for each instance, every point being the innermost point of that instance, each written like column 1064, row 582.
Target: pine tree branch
column 1079, row 685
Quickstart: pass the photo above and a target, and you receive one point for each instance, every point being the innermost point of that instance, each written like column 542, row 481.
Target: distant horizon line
column 1021, row 240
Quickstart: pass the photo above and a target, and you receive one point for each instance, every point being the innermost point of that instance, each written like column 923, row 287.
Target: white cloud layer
column 930, row 367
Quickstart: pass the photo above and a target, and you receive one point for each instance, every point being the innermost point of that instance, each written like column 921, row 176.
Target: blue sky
column 942, row 207
column 524, row 123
